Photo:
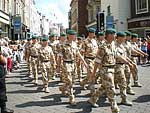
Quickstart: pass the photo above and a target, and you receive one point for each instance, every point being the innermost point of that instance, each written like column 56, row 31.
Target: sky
column 55, row 10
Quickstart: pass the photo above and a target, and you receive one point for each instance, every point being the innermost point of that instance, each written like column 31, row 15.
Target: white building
column 120, row 9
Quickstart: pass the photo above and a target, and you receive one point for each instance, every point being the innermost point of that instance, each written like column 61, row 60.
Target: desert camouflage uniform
column 34, row 54
column 89, row 50
column 45, row 56
column 28, row 57
column 134, row 59
column 128, row 48
column 68, row 54
column 106, row 59
column 119, row 77
column 53, row 45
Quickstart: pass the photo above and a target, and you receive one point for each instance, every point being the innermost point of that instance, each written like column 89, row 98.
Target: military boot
column 47, row 90
column 72, row 100
column 126, row 102
column 63, row 90
column 137, row 84
column 92, row 101
column 130, row 92
column 114, row 107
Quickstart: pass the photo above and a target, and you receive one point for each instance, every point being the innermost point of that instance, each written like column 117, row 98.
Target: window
column 141, row 6
column 98, row 9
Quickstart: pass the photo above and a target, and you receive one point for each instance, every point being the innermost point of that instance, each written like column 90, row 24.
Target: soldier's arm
column 82, row 59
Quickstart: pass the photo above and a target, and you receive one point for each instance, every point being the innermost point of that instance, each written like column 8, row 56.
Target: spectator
column 148, row 49
column 144, row 49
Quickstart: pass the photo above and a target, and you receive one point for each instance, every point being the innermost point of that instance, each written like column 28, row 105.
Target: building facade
column 79, row 16
column 140, row 17
column 4, row 15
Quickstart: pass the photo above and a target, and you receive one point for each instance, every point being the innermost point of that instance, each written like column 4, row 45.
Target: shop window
column 141, row 6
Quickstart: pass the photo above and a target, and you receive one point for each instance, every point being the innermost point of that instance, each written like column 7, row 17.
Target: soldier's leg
column 122, row 85
column 135, row 75
column 110, row 90
column 87, row 78
column 45, row 78
column 34, row 70
column 128, row 80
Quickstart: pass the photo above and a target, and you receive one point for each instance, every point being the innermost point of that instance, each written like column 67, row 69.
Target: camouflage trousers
column 120, row 79
column 34, row 64
column 29, row 65
column 79, row 70
column 135, row 70
column 128, row 77
column 68, row 77
column 108, row 87
column 46, row 72
column 89, row 72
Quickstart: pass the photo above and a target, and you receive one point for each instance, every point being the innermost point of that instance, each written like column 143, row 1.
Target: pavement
column 24, row 97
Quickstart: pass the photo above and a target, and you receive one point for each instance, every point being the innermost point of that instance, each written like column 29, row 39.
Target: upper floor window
column 141, row 6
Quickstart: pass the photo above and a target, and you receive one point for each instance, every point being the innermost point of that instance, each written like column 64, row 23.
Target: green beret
column 128, row 33
column 91, row 30
column 134, row 35
column 52, row 35
column 44, row 38
column 71, row 32
column 63, row 34
column 121, row 34
column 34, row 37
column 110, row 31
column 100, row 34
column 79, row 38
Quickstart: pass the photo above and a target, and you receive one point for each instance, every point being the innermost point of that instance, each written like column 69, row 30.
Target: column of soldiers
column 109, row 58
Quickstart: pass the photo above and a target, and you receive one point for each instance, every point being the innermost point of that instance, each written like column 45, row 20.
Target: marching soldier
column 134, row 55
column 78, row 62
column 121, row 60
column 52, row 43
column 46, row 57
column 89, row 49
column 68, row 54
column 128, row 48
column 34, row 54
column 26, row 55
column 105, row 61
column 61, row 42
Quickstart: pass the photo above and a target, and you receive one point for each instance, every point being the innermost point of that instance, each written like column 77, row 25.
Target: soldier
column 46, row 56
column 34, row 53
column 53, row 43
column 89, row 49
column 3, row 97
column 134, row 55
column 128, row 48
column 27, row 57
column 61, row 42
column 105, row 61
column 100, row 41
column 78, row 62
column 121, row 60
column 68, row 54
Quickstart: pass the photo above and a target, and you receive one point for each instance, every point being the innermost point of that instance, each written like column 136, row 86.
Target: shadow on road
column 142, row 99
column 86, row 108
column 41, row 103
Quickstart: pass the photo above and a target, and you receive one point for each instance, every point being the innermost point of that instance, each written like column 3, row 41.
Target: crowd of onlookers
column 144, row 44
